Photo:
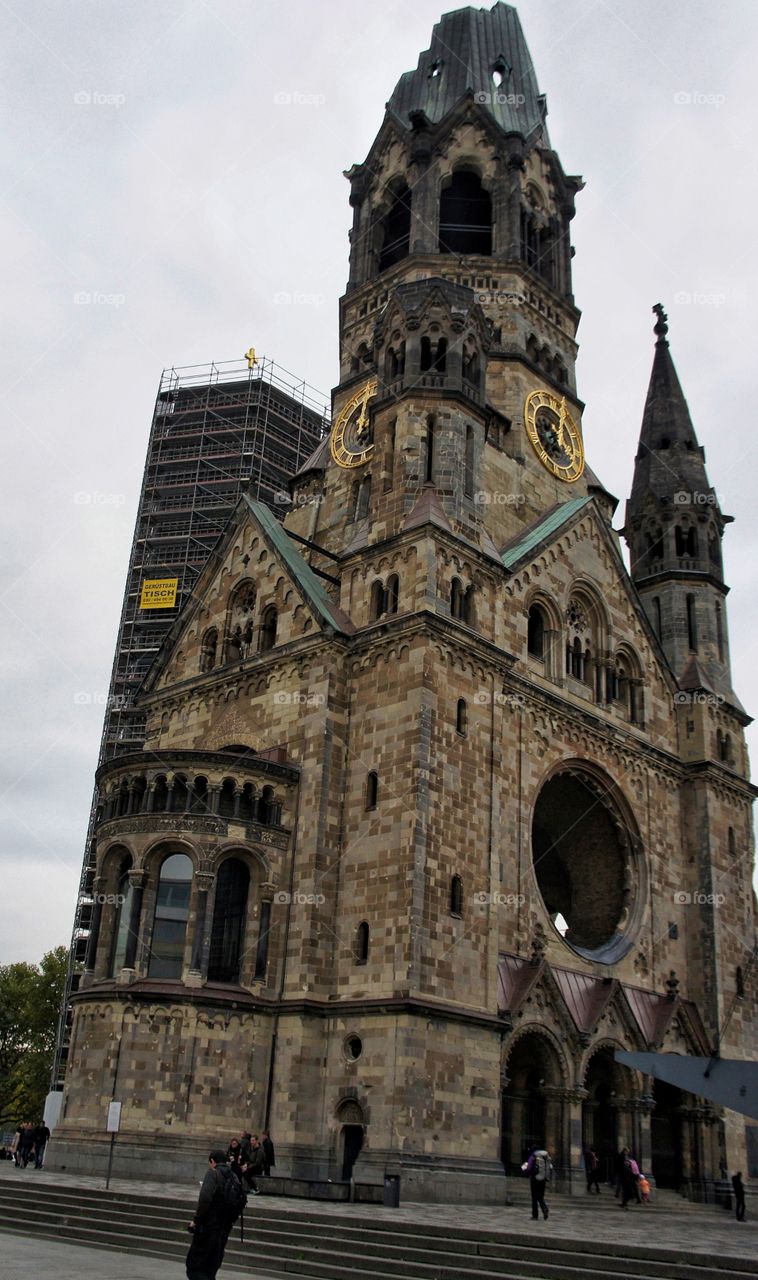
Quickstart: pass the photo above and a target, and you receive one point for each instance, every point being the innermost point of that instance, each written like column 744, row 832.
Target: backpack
column 542, row 1166
column 232, row 1196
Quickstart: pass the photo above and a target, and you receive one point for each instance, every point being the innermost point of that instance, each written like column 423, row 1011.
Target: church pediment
column 256, row 593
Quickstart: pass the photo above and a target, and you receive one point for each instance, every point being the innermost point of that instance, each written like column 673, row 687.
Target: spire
column 480, row 53
column 669, row 459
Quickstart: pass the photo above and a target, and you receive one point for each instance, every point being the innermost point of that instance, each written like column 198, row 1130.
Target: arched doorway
column 532, row 1108
column 606, row 1093
column 351, row 1138
column 666, row 1135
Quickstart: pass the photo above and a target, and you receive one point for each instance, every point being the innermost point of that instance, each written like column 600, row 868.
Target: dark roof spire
column 661, row 324
column 479, row 53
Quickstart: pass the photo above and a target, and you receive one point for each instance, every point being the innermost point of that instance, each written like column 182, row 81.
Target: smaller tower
column 674, row 527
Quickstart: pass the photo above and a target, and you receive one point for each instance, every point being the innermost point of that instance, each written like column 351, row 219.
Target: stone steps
column 336, row 1246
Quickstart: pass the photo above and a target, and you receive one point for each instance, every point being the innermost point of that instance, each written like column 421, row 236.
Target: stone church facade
column 439, row 805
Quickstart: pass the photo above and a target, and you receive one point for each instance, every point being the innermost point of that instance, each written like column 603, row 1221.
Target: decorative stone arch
column 588, row 860
column 551, row 632
column 625, row 687
column 352, row 1121
column 465, row 183
column 239, row 626
column 535, row 1077
column 587, row 632
column 611, row 1111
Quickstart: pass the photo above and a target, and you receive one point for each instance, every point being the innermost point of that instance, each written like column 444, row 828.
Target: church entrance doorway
column 532, row 1112
column 600, row 1115
column 352, row 1143
column 666, row 1135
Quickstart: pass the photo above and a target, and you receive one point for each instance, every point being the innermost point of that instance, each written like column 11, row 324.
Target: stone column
column 137, row 884
column 645, row 1106
column 198, row 971
column 214, row 797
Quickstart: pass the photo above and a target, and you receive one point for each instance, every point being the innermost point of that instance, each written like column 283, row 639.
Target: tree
column 30, row 1001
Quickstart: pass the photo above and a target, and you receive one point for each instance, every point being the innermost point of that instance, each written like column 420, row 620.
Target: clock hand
column 562, row 425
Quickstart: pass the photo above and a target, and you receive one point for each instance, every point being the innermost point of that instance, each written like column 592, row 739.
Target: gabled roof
column 515, row 979
column 427, row 510
column 652, row 1012
column 586, row 997
column 543, row 531
column 300, row 570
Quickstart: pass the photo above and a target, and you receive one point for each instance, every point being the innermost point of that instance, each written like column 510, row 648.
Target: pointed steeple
column 674, row 528
column 670, row 463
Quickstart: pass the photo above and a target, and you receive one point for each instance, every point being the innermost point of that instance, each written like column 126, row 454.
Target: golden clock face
column 351, row 441
column 554, row 435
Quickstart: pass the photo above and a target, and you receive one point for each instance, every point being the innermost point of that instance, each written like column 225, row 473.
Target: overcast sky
column 170, row 168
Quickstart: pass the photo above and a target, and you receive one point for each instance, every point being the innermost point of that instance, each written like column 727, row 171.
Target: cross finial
column 661, row 324
column 251, row 358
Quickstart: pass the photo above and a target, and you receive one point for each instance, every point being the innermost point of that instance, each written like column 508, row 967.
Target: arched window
column 461, row 717
column 268, row 628
column 160, row 794
column 122, row 918
column 376, row 607
column 389, row 463
column 179, row 794
column 171, row 916
column 269, row 808
column 391, row 594
column 429, row 477
column 685, row 540
column 468, row 480
column 372, row 789
column 691, row 624
column 209, row 650
column 226, row 798
column 719, row 632
column 535, row 632
column 239, row 627
column 456, row 896
column 361, row 943
column 199, row 796
column 247, row 803
column 396, row 230
column 465, row 216
column 433, row 354
column 739, row 983
column 714, row 549
column 363, row 498
column 229, row 912
column 456, row 599
column 657, row 618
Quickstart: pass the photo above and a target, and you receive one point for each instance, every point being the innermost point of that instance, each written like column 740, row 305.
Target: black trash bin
column 391, row 1197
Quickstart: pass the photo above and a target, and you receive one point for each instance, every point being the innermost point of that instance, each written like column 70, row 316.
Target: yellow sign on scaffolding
column 158, row 593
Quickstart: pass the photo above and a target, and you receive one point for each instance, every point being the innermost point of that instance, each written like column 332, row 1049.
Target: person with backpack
column 220, row 1204
column 538, row 1169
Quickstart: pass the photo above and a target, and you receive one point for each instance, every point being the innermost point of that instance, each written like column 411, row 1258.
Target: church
column 439, row 805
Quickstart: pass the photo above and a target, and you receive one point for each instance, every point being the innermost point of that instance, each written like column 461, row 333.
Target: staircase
column 338, row 1245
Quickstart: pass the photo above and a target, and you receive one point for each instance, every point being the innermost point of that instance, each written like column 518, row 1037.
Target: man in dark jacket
column 40, row 1137
column 212, row 1222
column 738, row 1187
column 268, row 1154
column 255, row 1161
column 538, row 1169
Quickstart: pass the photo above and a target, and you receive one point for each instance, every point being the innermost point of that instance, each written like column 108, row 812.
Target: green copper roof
column 539, row 533
column 468, row 46
column 301, row 571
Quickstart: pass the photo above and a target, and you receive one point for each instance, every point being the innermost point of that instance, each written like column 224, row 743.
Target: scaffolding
column 218, row 431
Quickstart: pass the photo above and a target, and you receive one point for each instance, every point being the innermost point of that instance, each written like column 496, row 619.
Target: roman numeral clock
column 351, row 441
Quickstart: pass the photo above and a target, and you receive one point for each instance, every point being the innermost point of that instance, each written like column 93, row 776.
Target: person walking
column 592, row 1170
column 619, row 1160
column 213, row 1220
column 26, row 1143
column 629, row 1188
column 538, row 1169
column 40, row 1139
column 738, row 1187
column 269, row 1155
